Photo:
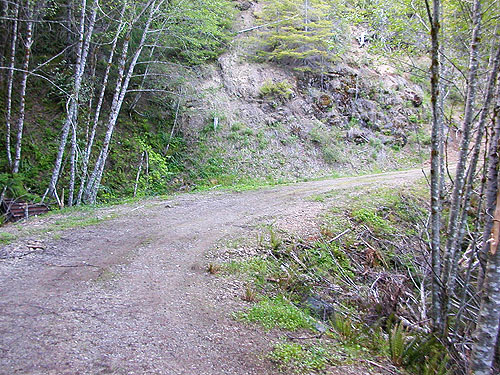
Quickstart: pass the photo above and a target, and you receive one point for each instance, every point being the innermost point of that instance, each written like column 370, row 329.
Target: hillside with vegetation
column 105, row 100
column 199, row 99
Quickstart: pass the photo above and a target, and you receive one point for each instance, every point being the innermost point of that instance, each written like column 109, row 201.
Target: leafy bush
column 279, row 90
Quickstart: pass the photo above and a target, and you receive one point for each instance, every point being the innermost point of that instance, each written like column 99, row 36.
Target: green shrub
column 332, row 154
column 345, row 328
column 279, row 90
column 372, row 219
column 397, row 344
column 421, row 137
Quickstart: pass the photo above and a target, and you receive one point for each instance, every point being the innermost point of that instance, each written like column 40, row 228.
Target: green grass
column 76, row 222
column 276, row 312
column 6, row 238
column 280, row 90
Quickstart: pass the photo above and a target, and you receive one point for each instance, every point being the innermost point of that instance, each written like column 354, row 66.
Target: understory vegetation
column 351, row 292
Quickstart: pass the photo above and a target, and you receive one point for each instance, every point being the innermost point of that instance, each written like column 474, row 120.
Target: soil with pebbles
column 131, row 294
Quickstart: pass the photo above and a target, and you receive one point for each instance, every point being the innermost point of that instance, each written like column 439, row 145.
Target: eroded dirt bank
column 130, row 295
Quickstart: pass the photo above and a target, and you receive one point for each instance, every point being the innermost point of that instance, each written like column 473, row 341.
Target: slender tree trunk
column 491, row 188
column 172, row 131
column 10, row 79
column 72, row 116
column 146, row 71
column 449, row 272
column 121, row 90
column 89, row 190
column 485, row 336
column 436, row 156
column 73, row 161
column 4, row 11
column 24, row 80
column 138, row 174
column 100, row 101
column 490, row 88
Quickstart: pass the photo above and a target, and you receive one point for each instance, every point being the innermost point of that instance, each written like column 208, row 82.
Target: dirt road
column 130, row 296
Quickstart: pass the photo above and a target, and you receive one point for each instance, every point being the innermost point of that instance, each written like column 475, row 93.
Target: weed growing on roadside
column 214, row 268
column 274, row 240
column 250, row 295
column 75, row 222
column 257, row 269
column 276, row 312
column 300, row 359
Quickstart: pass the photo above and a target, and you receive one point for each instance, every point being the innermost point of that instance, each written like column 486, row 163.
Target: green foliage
column 276, row 312
column 393, row 26
column 199, row 29
column 300, row 359
column 328, row 139
column 345, row 328
column 14, row 185
column 332, row 154
column 397, row 344
column 421, row 137
column 274, row 240
column 304, row 39
column 281, row 90
column 154, row 180
column 76, row 222
column 372, row 219
column 420, row 354
column 328, row 259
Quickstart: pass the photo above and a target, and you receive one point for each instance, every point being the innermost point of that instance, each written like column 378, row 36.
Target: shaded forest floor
column 124, row 289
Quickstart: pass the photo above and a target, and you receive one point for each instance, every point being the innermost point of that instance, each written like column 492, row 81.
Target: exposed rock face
column 363, row 99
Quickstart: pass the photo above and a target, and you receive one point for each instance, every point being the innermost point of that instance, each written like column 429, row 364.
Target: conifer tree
column 304, row 34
